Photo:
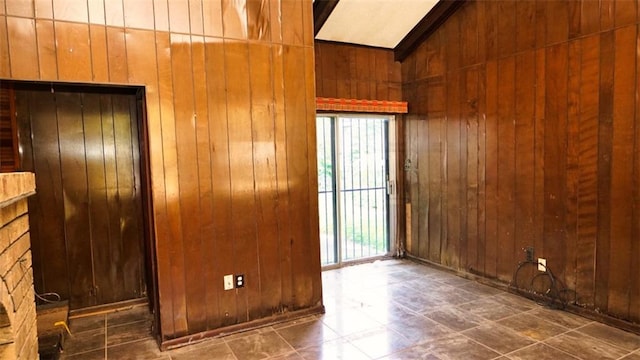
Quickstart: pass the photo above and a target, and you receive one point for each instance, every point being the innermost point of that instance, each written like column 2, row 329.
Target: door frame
column 392, row 183
column 149, row 241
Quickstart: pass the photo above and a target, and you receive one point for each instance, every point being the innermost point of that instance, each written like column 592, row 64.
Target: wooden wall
column 357, row 72
column 524, row 131
column 230, row 109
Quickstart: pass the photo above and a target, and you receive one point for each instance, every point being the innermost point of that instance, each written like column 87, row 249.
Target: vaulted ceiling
column 393, row 24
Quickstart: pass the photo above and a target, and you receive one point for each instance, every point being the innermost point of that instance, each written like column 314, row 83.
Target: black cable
column 553, row 295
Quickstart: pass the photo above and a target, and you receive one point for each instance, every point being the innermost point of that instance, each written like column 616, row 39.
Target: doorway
column 353, row 187
column 87, row 220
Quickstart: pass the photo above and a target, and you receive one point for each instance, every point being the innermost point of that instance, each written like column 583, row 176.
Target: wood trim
column 321, row 11
column 429, row 23
column 356, row 105
column 237, row 328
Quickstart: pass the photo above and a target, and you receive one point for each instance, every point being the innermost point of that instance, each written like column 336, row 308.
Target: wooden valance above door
column 361, row 106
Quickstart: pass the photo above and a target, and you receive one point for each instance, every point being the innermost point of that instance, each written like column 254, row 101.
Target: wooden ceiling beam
column 321, row 11
column 429, row 23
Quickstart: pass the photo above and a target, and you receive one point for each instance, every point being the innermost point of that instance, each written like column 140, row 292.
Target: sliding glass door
column 353, row 173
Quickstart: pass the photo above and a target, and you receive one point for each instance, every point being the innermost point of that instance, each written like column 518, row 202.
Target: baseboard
column 238, row 328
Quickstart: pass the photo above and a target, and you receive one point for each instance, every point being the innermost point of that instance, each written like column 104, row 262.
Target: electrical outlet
column 240, row 281
column 228, row 282
column 542, row 264
column 528, row 253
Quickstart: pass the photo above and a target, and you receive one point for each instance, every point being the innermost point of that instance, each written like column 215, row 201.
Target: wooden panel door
column 86, row 217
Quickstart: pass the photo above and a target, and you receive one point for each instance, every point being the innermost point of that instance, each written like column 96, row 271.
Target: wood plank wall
column 357, row 72
column 230, row 104
column 524, row 131
column 9, row 160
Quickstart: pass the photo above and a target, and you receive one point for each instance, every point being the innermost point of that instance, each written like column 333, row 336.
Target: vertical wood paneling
column 189, row 113
column 116, row 51
column 525, row 25
column 70, row 10
column 420, row 196
column 621, row 172
column 264, row 158
column 506, row 167
column 605, row 133
column 524, row 153
column 211, row 18
column 470, row 189
column 551, row 149
column 205, row 216
column 283, row 209
column 356, row 72
column 555, row 145
column 298, row 171
column 5, row 68
column 73, row 51
column 166, row 208
column 47, row 57
column 51, row 229
column 243, row 206
column 22, row 48
column 436, row 208
column 573, row 128
column 506, row 25
column 452, row 178
column 491, row 169
column 99, row 60
column 634, row 303
column 114, row 12
column 43, row 8
column 588, row 168
column 74, row 187
column 221, row 186
column 135, row 14
column 539, row 131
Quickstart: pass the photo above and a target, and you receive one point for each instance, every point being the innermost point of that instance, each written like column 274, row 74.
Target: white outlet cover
column 542, row 264
column 228, row 282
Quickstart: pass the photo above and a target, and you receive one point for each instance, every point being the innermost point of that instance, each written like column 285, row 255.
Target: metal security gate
column 353, row 177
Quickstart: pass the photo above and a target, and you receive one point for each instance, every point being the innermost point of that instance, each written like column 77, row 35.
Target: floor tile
column 489, row 309
column 514, row 301
column 419, row 329
column 458, row 347
column 563, row 318
column 380, row 342
column 454, row 318
column 259, row 346
column 611, row 335
column 585, row 347
column 391, row 310
column 349, row 322
column 128, row 332
column 138, row 350
column 129, row 315
column 206, row 350
column 498, row 338
column 307, row 334
column 339, row 349
column 540, row 352
column 480, row 289
column 98, row 354
column 87, row 323
column 85, row 341
column 532, row 326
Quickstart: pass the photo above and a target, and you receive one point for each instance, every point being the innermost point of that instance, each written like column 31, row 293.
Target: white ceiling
column 380, row 23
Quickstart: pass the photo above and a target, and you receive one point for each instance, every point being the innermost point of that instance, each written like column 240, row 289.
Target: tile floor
column 385, row 310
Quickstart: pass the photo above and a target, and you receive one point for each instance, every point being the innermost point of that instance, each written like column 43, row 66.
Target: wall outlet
column 240, row 281
column 542, row 264
column 228, row 282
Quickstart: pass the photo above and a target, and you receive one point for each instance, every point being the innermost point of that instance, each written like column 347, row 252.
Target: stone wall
column 18, row 330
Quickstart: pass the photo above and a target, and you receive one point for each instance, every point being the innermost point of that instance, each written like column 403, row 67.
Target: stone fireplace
column 18, row 330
